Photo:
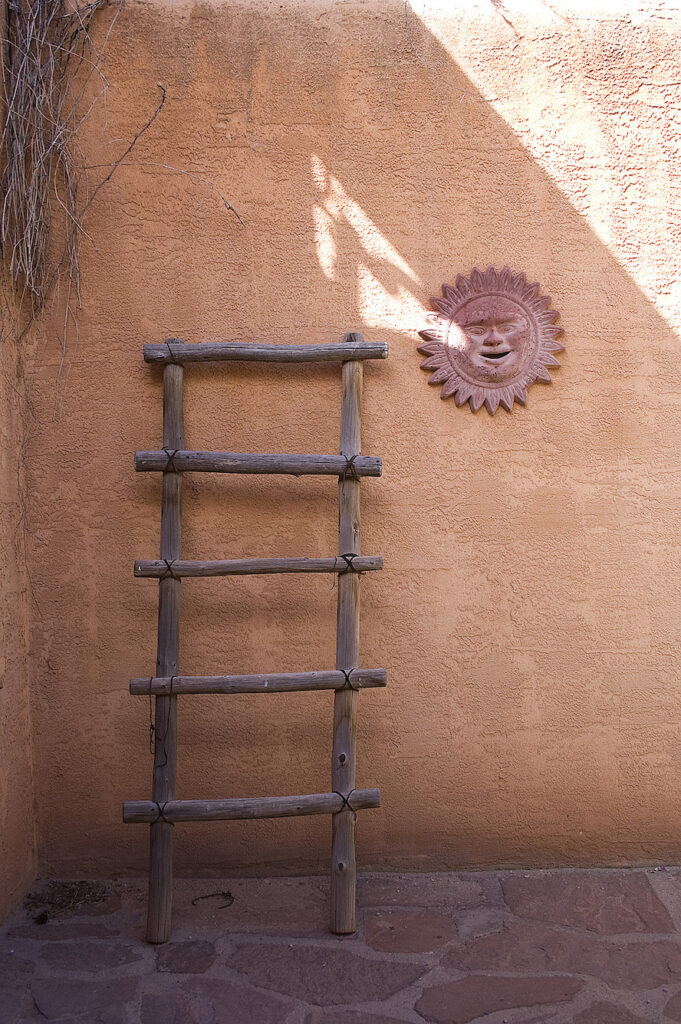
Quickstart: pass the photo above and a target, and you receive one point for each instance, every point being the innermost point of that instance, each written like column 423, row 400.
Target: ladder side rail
column 165, row 713
column 343, row 766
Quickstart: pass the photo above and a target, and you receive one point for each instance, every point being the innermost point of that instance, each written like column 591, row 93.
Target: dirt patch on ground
column 60, row 899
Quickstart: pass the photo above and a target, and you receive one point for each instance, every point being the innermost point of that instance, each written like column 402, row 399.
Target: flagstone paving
column 514, row 947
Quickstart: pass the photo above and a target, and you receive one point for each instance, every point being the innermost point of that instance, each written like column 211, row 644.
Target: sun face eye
column 476, row 330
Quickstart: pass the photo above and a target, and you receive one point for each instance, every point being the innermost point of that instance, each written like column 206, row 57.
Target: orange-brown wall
column 529, row 613
column 17, row 820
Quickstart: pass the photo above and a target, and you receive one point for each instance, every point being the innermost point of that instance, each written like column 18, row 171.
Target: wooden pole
column 165, row 723
column 255, row 566
column 274, row 682
column 177, row 351
column 343, row 769
column 252, row 462
column 240, row 809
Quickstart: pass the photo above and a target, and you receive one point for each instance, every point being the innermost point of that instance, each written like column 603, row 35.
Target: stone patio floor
column 551, row 947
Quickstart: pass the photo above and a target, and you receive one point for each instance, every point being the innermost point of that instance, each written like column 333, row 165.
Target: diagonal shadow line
column 481, row 168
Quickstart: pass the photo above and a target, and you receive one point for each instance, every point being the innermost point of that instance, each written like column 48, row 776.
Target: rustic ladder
column 163, row 810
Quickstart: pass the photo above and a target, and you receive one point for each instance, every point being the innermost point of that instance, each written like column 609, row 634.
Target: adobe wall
column 529, row 613
column 17, row 810
column 17, row 816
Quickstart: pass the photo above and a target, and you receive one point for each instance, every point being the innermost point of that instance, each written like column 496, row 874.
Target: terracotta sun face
column 492, row 336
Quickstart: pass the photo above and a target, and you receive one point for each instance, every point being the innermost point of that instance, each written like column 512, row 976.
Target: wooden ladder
column 163, row 810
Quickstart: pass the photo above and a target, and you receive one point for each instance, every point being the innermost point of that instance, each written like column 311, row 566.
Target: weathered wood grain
column 255, row 462
column 136, row 811
column 343, row 767
column 163, row 810
column 177, row 351
column 281, row 682
column 167, row 656
column 156, row 567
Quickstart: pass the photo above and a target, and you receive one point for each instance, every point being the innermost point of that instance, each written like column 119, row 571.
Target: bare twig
column 76, row 216
column 125, row 152
column 178, row 170
column 50, row 61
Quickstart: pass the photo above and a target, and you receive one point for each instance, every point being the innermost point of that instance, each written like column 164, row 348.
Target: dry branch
column 50, row 60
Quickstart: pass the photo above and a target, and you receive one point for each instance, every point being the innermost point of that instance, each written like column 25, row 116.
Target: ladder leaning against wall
column 342, row 802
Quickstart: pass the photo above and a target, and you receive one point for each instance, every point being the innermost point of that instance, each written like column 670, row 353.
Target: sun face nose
column 493, row 336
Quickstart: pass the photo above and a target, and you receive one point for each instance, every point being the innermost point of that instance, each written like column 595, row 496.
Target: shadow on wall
column 533, row 573
column 528, row 614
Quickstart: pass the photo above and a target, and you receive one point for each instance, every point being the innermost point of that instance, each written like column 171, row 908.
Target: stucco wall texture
column 17, row 820
column 529, row 612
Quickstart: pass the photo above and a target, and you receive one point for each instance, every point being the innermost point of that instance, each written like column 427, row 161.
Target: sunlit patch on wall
column 398, row 311
column 325, row 243
column 382, row 304
column 604, row 129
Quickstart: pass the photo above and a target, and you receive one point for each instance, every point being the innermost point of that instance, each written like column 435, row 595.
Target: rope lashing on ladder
column 169, row 691
column 349, row 470
column 170, row 466
column 160, row 809
column 348, row 558
column 346, row 805
column 171, row 355
column 348, row 685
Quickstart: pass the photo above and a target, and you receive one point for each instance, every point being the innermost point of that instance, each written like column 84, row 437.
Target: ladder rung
column 175, row 351
column 184, row 461
column 158, row 568
column 252, row 807
column 282, row 682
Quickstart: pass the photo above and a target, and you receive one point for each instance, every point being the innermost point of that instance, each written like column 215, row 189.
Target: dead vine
column 50, row 60
column 52, row 79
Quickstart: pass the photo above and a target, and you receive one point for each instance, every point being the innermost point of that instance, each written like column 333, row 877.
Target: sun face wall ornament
column 492, row 336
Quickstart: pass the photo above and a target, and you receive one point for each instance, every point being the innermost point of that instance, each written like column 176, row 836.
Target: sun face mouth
column 495, row 354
